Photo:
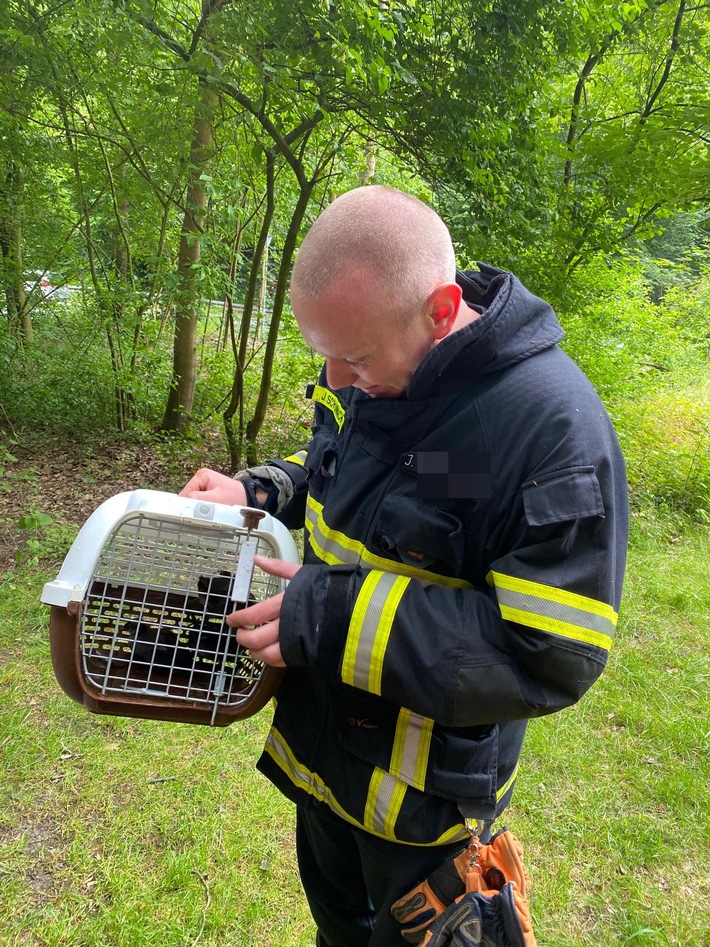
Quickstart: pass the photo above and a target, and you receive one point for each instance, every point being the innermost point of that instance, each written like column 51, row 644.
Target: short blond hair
column 383, row 235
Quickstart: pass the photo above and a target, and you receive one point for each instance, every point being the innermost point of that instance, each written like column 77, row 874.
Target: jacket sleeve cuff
column 315, row 616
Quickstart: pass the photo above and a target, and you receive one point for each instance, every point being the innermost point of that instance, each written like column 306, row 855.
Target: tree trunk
column 226, row 329
column 254, row 425
column 236, row 400
column 182, row 389
column 18, row 308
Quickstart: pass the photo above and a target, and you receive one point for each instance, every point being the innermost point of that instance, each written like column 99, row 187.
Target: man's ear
column 443, row 304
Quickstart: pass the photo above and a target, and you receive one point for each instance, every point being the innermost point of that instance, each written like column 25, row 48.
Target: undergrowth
column 665, row 436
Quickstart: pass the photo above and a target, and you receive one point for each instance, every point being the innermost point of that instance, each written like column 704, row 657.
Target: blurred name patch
column 453, row 475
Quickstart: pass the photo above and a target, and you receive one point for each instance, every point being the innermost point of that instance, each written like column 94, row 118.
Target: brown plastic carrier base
column 65, row 648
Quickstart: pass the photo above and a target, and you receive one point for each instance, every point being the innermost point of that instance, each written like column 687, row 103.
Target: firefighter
column 465, row 511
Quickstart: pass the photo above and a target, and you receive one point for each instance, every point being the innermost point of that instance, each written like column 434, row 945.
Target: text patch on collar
column 452, row 475
column 326, row 397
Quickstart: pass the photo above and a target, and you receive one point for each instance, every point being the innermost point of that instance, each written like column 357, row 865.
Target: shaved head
column 388, row 240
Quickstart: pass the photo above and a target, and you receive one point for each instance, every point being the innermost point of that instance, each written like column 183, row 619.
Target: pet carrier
column 137, row 625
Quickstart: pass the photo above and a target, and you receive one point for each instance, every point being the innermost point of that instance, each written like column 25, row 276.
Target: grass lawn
column 127, row 833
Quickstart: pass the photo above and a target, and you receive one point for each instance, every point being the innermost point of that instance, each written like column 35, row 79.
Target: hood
column 513, row 325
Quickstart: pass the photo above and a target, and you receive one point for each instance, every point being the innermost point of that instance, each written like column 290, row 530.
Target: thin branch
column 135, row 157
column 152, row 27
column 579, row 90
column 643, row 218
column 282, row 142
column 695, row 133
column 675, row 43
column 209, row 9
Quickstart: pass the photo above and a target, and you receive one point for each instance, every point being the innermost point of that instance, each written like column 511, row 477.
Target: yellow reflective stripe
column 553, row 594
column 335, row 548
column 410, row 753
column 326, row 397
column 282, row 755
column 331, row 538
column 373, row 795
column 325, row 555
column 355, row 629
column 298, row 458
column 382, row 634
column 408, row 765
column 398, row 790
column 507, row 784
column 369, row 630
column 384, row 801
column 555, row 610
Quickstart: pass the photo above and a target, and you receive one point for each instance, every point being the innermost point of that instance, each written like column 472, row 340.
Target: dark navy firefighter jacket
column 464, row 555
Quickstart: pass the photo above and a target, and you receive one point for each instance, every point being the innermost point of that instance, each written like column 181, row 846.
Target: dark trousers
column 351, row 878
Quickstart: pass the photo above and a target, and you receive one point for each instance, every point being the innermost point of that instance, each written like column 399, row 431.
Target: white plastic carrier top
column 80, row 562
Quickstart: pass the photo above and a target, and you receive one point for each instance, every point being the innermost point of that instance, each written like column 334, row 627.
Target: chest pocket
column 563, row 496
column 411, row 531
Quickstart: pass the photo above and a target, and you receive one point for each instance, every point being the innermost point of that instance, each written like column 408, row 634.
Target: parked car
column 41, row 281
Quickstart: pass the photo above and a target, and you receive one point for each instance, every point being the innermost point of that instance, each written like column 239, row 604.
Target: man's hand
column 259, row 624
column 215, row 488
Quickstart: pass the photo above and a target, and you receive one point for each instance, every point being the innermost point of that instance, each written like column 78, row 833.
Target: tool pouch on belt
column 482, row 892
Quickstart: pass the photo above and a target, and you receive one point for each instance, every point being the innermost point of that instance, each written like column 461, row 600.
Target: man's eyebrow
column 345, row 358
column 342, row 358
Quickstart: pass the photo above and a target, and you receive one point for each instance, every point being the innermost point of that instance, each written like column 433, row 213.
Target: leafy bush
column 665, row 437
column 689, row 306
column 64, row 377
column 624, row 341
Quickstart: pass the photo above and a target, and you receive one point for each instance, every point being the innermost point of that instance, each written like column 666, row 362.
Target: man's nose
column 339, row 373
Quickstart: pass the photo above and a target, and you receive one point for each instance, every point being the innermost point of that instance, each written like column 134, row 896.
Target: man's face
column 362, row 343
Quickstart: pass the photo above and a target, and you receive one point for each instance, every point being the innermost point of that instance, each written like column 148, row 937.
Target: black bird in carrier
column 137, row 625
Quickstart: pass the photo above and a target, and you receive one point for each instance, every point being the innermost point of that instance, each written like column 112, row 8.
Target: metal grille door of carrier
column 153, row 620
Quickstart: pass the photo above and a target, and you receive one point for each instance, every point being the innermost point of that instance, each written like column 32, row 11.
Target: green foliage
column 626, row 342
column 34, row 521
column 291, row 416
column 64, row 380
column 607, row 142
column 5, row 458
column 550, row 135
column 689, row 302
column 47, row 542
column 666, row 440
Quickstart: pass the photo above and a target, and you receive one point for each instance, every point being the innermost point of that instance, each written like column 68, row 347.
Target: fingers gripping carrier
column 137, row 623
column 483, row 889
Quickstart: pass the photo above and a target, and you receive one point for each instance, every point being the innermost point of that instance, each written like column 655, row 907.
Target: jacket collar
column 514, row 324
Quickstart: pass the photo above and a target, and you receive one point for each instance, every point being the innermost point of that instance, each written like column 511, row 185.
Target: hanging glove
column 479, row 920
column 480, row 868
